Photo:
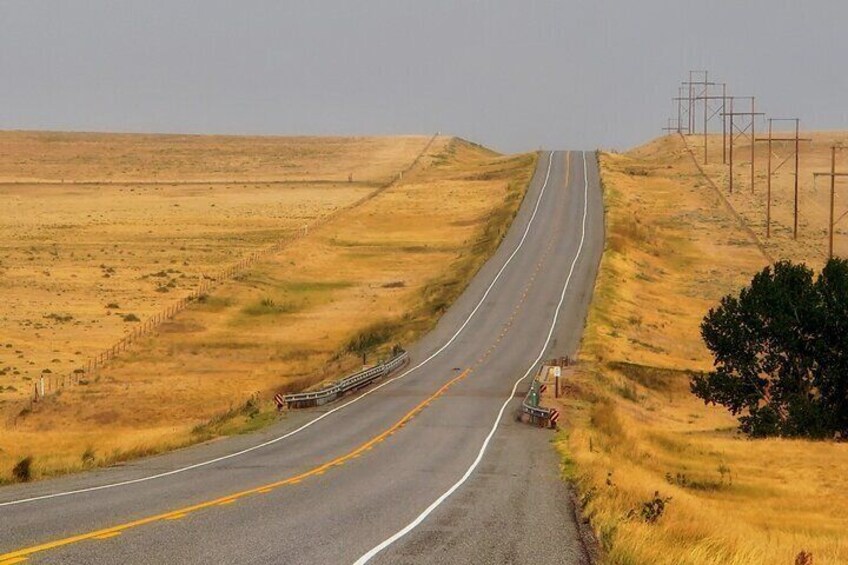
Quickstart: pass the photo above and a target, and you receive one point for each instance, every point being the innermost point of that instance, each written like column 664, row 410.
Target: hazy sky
column 514, row 75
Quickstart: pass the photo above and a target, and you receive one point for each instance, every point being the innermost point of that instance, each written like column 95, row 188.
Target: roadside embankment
column 661, row 477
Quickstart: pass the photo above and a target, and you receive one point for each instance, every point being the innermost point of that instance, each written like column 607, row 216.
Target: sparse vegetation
column 61, row 318
column 268, row 307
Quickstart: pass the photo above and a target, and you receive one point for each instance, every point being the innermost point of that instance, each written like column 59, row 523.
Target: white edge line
column 429, row 510
column 325, row 414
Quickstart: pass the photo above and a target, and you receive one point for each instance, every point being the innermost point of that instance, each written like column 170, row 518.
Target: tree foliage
column 781, row 352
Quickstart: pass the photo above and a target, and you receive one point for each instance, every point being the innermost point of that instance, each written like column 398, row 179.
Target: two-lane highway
column 428, row 466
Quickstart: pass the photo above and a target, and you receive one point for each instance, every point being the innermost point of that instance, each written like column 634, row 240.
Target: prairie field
column 634, row 431
column 813, row 192
column 83, row 264
column 393, row 255
column 51, row 157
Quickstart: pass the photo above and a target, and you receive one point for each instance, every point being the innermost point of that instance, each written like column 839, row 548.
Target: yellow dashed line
column 105, row 533
column 21, row 555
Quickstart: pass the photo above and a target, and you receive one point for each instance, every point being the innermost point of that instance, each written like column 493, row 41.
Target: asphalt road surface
column 428, row 466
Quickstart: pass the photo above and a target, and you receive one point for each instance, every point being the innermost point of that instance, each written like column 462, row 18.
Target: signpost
column 557, row 375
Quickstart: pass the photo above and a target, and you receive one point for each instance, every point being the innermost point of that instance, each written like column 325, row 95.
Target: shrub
column 267, row 306
column 22, row 471
column 804, row 558
column 370, row 338
column 61, row 318
column 653, row 509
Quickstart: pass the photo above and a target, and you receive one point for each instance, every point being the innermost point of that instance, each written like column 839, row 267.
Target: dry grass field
column 634, row 428
column 383, row 268
column 813, row 195
column 30, row 157
column 78, row 259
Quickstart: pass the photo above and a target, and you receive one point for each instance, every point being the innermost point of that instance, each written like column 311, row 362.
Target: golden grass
column 673, row 250
column 76, row 259
column 29, row 157
column 392, row 263
column 814, row 196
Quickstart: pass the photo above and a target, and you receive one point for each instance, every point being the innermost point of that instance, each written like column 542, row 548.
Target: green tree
column 781, row 352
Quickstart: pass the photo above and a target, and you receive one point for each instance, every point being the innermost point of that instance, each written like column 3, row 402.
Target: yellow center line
column 20, row 555
column 174, row 517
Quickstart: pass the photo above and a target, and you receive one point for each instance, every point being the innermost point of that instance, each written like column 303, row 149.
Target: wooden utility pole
column 706, row 97
column 753, row 137
column 723, row 124
column 748, row 131
column 832, row 193
column 832, row 174
column 796, row 139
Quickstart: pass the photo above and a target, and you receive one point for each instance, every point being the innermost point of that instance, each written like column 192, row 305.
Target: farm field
column 382, row 270
column 634, row 430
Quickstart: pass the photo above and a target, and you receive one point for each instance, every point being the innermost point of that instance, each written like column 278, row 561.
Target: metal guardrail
column 347, row 384
column 537, row 411
column 539, row 414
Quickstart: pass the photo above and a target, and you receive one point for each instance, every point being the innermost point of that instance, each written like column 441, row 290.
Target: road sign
column 554, row 416
column 557, row 372
column 278, row 400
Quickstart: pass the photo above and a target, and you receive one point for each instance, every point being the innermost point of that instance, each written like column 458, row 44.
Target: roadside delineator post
column 554, row 417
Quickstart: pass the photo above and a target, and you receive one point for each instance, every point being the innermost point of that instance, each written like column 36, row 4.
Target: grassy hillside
column 384, row 268
column 673, row 249
column 814, row 195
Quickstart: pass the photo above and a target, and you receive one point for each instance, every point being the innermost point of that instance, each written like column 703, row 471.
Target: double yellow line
column 21, row 555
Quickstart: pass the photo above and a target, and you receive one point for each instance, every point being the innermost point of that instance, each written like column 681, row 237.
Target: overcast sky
column 514, row 75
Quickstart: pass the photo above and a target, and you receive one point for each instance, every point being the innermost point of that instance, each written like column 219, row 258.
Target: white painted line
column 325, row 414
column 429, row 510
